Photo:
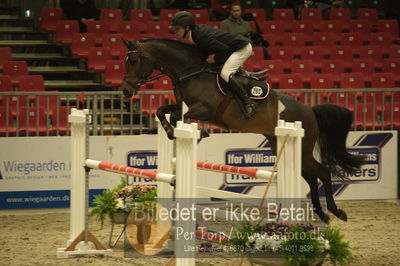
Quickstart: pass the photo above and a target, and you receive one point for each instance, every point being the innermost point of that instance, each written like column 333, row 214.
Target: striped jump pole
column 231, row 169
column 131, row 171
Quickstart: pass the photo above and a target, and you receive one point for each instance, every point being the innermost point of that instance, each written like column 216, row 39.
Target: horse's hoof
column 326, row 219
column 170, row 134
column 341, row 214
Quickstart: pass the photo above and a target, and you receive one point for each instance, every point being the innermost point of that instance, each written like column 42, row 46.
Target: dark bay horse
column 197, row 88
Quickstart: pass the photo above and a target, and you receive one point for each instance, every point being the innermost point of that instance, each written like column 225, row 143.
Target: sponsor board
column 34, row 172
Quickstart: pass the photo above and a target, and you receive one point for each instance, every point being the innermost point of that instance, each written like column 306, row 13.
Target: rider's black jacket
column 220, row 43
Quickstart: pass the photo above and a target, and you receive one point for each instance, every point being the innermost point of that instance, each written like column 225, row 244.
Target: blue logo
column 143, row 160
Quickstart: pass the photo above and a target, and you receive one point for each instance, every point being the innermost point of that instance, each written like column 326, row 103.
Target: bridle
column 144, row 78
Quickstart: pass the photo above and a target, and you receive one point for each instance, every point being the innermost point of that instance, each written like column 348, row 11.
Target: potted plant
column 290, row 244
column 117, row 203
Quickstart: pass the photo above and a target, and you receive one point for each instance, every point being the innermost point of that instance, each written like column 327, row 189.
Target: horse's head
column 138, row 68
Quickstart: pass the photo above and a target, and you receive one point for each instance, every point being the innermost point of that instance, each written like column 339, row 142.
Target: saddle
column 259, row 75
column 256, row 89
column 255, row 82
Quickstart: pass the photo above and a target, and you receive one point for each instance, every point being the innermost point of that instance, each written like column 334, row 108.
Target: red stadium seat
column 370, row 14
column 335, row 26
column 311, row 52
column 302, row 26
column 353, row 80
column 343, row 98
column 354, row 39
column 275, row 67
column 290, row 81
column 394, row 51
column 388, row 25
column 200, row 15
column 284, row 53
column 258, row 14
column 360, row 25
column 31, row 83
column 127, row 29
column 33, row 121
column 333, row 66
column 113, row 41
column 381, row 38
column 81, row 42
column 167, row 14
column 49, row 18
column 159, row 27
column 114, row 73
column 392, row 115
column 5, row 84
column 342, row 14
column 141, row 15
column 365, row 66
column 314, row 14
column 325, row 39
column 163, row 84
column 5, row 55
column 97, row 58
column 366, row 116
column 342, row 52
column 302, row 66
column 98, row 28
column 65, row 29
column 391, row 65
column 285, row 14
column 14, row 69
column 374, row 52
column 59, row 119
column 273, row 26
column 382, row 80
column 151, row 102
column 113, row 17
column 6, row 122
column 297, row 40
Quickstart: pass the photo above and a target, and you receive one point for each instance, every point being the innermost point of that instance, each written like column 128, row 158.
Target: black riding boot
column 247, row 105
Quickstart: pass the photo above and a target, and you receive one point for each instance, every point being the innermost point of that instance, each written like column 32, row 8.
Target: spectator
column 324, row 5
column 234, row 24
column 220, row 9
column 80, row 10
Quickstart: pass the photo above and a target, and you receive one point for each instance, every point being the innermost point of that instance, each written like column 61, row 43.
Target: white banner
column 34, row 171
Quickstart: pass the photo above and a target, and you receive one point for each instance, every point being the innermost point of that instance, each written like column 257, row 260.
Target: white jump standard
column 183, row 183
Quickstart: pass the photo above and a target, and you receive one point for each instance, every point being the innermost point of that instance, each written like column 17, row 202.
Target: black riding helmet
column 182, row 19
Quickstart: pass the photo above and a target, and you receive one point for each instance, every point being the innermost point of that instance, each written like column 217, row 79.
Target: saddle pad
column 257, row 90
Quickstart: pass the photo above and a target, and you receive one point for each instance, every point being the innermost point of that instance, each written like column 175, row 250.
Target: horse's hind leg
column 309, row 177
column 324, row 175
column 312, row 182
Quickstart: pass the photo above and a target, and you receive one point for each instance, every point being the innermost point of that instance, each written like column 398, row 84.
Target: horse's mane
column 177, row 45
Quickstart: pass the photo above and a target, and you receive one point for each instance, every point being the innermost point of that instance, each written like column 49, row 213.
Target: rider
column 222, row 48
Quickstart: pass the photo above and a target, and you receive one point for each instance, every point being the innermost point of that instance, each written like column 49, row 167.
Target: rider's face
column 179, row 31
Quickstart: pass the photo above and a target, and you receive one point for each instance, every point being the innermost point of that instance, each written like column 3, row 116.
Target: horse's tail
column 334, row 123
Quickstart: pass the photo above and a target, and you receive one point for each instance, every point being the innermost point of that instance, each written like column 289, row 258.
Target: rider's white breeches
column 235, row 61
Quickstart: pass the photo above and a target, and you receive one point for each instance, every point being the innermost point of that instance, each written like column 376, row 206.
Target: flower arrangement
column 123, row 199
column 299, row 244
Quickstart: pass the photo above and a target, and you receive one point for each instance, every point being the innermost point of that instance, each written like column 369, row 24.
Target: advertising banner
column 35, row 171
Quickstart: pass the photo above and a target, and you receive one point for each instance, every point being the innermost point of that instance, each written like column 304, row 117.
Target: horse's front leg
column 161, row 112
column 200, row 112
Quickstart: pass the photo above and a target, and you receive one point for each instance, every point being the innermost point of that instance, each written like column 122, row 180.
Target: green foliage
column 339, row 250
column 123, row 198
column 301, row 247
column 241, row 235
column 105, row 204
